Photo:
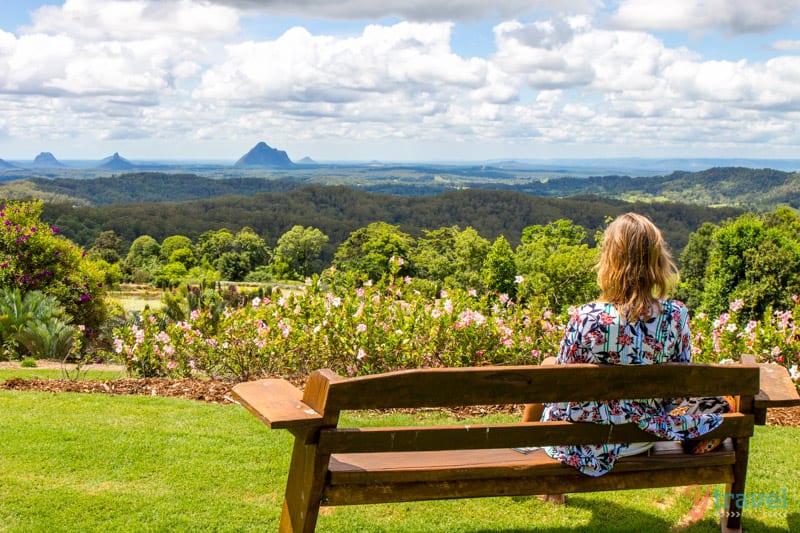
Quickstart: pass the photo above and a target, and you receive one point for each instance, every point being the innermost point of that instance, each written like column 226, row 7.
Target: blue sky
column 400, row 80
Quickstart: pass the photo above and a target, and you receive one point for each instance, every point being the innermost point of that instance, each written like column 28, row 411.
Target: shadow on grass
column 616, row 518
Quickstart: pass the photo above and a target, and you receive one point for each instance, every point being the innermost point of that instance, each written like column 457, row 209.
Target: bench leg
column 303, row 488
column 733, row 502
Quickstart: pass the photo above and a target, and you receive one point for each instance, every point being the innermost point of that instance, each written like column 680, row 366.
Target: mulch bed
column 219, row 392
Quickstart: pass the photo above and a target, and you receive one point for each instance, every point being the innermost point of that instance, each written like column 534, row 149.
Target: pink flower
column 736, row 305
column 361, row 328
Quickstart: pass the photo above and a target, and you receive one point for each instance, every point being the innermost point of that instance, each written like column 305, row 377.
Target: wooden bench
column 333, row 465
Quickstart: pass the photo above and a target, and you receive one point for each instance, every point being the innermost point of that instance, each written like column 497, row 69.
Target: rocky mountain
column 262, row 155
column 115, row 162
column 46, row 160
column 306, row 161
column 5, row 165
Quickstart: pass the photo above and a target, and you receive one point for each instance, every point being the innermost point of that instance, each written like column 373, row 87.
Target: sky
column 400, row 80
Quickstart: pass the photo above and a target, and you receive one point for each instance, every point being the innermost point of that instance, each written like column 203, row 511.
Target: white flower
column 794, row 373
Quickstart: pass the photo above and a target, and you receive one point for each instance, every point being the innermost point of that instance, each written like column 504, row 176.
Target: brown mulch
column 219, row 392
column 192, row 389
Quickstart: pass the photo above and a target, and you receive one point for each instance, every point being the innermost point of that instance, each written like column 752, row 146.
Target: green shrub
column 28, row 363
column 34, row 257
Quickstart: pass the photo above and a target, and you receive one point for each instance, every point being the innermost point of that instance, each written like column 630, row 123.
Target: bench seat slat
column 277, row 403
column 358, row 479
column 387, row 439
column 414, row 467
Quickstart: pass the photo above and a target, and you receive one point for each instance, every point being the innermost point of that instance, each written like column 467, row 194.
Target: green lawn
column 78, row 462
column 55, row 373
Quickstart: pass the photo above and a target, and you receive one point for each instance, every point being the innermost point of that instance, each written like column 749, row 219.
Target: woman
column 632, row 323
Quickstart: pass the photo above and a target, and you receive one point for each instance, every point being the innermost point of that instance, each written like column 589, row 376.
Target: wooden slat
column 443, row 387
column 571, row 481
column 277, row 403
column 416, row 438
column 399, row 467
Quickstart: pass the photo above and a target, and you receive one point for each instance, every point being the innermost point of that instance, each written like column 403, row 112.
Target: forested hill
column 338, row 211
column 141, row 187
column 760, row 189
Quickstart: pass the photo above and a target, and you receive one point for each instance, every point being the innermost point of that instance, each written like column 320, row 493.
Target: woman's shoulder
column 674, row 305
column 595, row 307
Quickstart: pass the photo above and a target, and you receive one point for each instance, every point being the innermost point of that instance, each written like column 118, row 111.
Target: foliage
column 33, row 325
column 172, row 243
column 556, row 266
column 500, row 268
column 452, row 257
column 368, row 250
column 107, row 247
column 339, row 211
column 299, row 249
column 33, row 256
column 744, row 259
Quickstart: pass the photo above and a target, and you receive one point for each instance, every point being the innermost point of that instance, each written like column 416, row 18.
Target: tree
column 253, row 246
column 142, row 251
column 556, row 265
column 184, row 256
column 170, row 275
column 172, row 243
column 106, row 247
column 452, row 256
column 750, row 261
column 213, row 243
column 694, row 260
column 500, row 268
column 299, row 249
column 368, row 250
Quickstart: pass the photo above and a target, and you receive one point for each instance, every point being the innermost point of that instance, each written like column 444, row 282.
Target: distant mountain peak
column 306, row 161
column 263, row 155
column 115, row 162
column 46, row 160
column 5, row 165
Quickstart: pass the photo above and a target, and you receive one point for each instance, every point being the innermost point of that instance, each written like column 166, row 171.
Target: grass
column 56, row 373
column 78, row 462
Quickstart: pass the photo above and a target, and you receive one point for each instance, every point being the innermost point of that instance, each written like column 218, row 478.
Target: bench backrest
column 329, row 394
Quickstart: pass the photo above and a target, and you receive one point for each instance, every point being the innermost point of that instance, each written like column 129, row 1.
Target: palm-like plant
column 29, row 311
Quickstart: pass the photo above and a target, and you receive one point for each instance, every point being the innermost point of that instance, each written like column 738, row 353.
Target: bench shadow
column 641, row 521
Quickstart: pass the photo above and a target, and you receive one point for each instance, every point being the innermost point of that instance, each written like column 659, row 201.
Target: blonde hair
column 635, row 268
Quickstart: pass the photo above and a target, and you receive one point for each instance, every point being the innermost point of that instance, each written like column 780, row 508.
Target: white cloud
column 139, row 71
column 135, row 20
column 414, row 10
column 411, row 60
column 730, row 16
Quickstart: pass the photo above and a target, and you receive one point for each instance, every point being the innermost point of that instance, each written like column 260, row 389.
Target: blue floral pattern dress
column 597, row 333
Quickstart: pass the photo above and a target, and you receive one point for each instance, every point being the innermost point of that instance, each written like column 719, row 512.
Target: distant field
column 136, row 297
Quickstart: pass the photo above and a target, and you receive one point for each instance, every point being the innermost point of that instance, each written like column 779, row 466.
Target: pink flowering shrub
column 352, row 329
column 774, row 339
column 377, row 327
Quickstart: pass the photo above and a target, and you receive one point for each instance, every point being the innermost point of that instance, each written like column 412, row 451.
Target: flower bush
column 351, row 328
column 363, row 328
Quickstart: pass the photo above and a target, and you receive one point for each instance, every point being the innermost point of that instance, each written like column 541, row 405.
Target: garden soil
column 214, row 391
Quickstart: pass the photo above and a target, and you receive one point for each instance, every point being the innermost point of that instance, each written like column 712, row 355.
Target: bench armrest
column 777, row 387
column 277, row 403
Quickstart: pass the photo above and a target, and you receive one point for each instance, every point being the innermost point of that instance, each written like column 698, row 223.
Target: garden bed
column 214, row 391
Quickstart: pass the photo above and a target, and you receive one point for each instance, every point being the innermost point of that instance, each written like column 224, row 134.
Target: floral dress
column 597, row 333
